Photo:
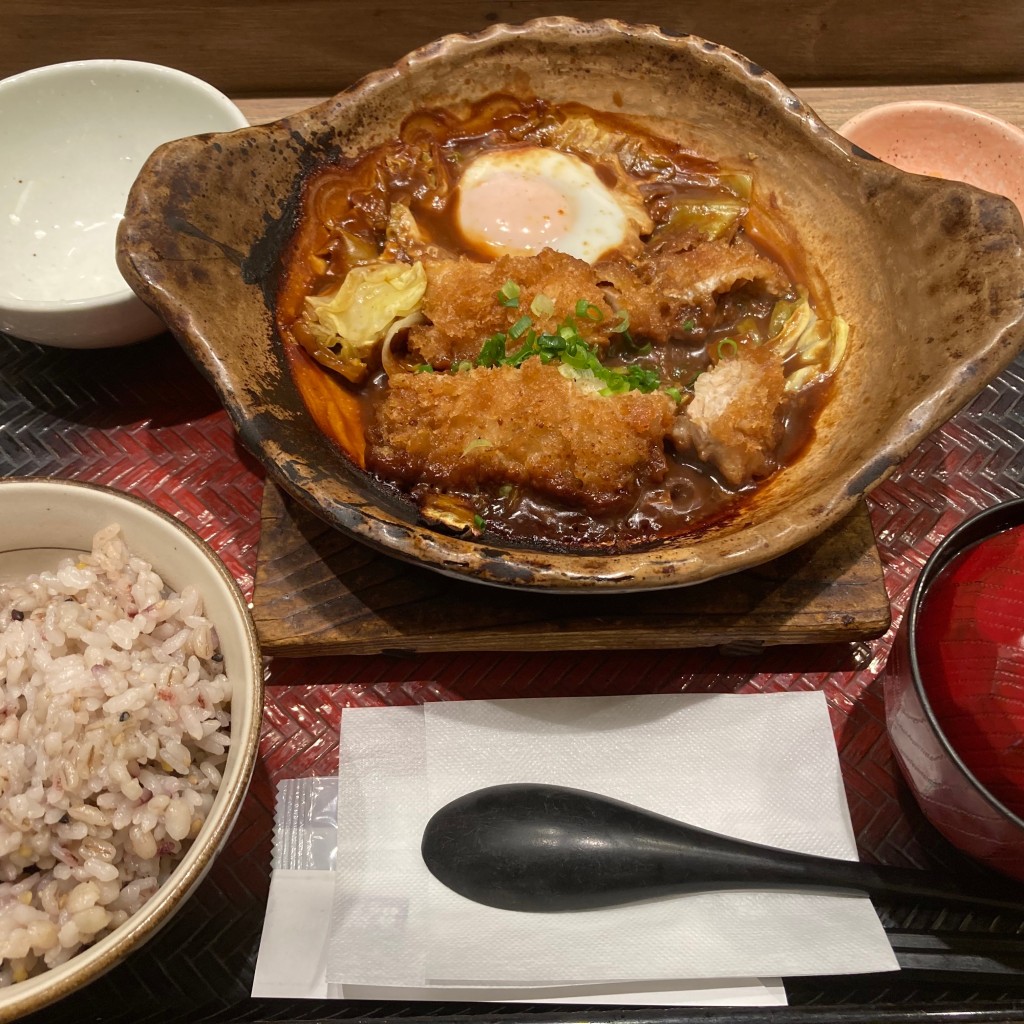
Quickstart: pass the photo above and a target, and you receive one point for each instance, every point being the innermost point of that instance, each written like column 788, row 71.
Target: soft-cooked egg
column 519, row 201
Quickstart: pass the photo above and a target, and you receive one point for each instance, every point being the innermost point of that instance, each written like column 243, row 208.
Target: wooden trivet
column 319, row 592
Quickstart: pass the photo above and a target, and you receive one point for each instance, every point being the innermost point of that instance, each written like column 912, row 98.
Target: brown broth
column 345, row 214
column 691, row 495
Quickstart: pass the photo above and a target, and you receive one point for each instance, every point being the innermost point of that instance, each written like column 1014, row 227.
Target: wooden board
column 320, row 592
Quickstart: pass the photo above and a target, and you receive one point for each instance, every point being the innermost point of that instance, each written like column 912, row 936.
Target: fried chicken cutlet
column 529, row 426
column 461, row 303
column 734, row 419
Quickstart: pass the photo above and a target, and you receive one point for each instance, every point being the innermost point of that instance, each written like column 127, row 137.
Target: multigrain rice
column 113, row 730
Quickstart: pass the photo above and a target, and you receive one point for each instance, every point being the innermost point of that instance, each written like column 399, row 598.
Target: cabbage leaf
column 711, row 216
column 348, row 324
column 810, row 348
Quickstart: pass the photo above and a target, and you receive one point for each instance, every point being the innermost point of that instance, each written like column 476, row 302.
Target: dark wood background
column 317, row 47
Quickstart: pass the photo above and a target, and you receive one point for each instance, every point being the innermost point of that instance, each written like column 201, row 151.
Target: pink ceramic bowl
column 938, row 734
column 944, row 140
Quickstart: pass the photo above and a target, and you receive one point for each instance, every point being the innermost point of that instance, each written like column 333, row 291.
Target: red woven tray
column 141, row 419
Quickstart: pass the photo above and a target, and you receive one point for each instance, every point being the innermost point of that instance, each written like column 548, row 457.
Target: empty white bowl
column 43, row 521
column 74, row 138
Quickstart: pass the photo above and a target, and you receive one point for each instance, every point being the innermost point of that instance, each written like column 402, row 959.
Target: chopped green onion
column 689, row 325
column 674, row 393
column 423, row 368
column 493, row 351
column 727, row 345
column 508, row 294
column 614, row 385
column 529, row 348
column 478, row 521
column 641, row 379
column 622, row 326
column 479, row 442
column 578, row 358
column 519, row 328
column 588, row 311
column 551, row 343
column 542, row 306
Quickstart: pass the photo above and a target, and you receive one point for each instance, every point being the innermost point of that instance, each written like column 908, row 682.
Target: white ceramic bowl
column 74, row 137
column 944, row 140
column 41, row 521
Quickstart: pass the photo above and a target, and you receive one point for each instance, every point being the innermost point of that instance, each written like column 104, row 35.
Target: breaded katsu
column 734, row 419
column 462, row 308
column 695, row 277
column 461, row 303
column 662, row 291
column 544, row 324
column 527, row 426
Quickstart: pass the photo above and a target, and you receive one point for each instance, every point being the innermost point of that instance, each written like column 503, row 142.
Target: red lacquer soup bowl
column 954, row 688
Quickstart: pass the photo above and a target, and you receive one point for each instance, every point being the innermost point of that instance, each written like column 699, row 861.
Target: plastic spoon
column 534, row 847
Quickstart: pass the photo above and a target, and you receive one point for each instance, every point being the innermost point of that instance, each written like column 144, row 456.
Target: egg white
column 519, row 201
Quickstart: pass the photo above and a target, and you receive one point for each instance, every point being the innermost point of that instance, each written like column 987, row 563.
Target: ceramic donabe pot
column 928, row 273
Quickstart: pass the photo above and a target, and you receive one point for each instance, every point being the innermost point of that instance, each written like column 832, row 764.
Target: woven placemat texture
column 143, row 420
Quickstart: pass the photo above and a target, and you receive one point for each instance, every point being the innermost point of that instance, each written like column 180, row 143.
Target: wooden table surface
column 314, row 47
column 834, row 104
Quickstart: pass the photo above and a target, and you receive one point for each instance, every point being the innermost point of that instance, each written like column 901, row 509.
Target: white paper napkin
column 759, row 767
column 292, row 964
column 292, row 958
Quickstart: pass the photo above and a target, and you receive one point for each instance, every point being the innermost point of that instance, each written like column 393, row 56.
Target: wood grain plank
column 833, row 104
column 313, row 47
column 320, row 592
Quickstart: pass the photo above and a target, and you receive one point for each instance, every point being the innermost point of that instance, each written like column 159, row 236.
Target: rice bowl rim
column 246, row 716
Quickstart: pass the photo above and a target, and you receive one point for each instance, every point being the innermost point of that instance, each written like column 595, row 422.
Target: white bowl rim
column 72, row 306
column 43, row 989
column 199, row 86
column 119, row 63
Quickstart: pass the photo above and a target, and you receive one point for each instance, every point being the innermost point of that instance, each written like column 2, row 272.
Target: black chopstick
column 960, row 952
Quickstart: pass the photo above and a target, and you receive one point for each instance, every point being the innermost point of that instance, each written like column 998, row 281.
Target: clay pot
column 928, row 273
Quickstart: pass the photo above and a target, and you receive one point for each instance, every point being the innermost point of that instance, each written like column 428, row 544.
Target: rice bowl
column 137, row 733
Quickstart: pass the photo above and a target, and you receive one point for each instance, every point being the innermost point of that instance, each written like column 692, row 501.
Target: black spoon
column 546, row 848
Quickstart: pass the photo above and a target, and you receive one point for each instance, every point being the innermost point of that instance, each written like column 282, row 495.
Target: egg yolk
column 519, row 201
column 515, row 213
